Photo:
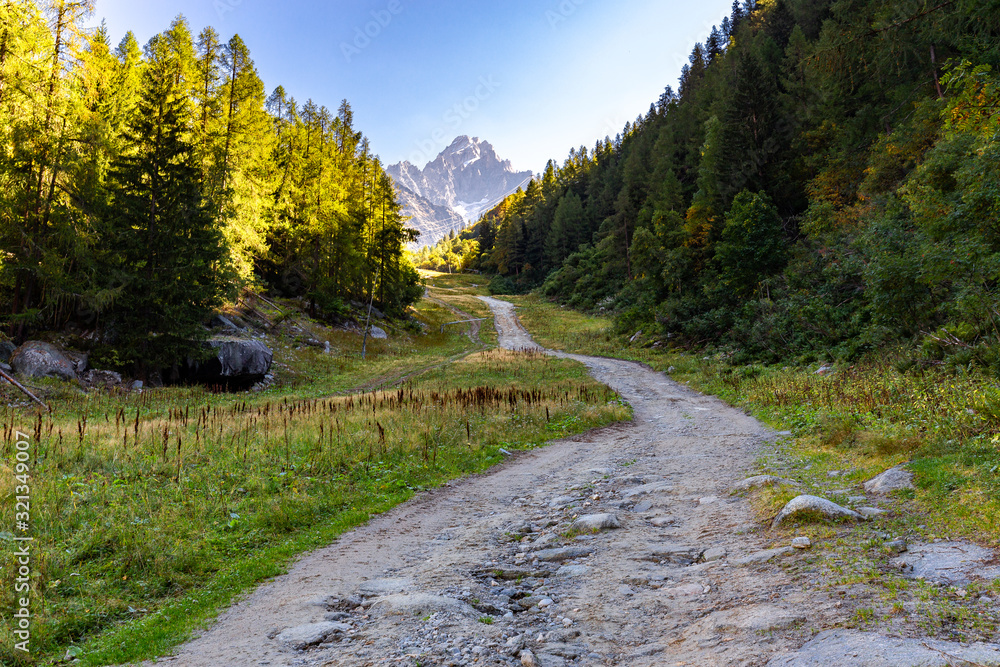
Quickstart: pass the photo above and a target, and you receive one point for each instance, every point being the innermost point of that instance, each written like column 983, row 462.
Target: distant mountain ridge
column 463, row 182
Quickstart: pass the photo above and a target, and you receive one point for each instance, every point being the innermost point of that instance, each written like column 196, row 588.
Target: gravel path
column 622, row 546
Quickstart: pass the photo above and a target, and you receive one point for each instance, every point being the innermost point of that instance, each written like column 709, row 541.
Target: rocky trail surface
column 622, row 546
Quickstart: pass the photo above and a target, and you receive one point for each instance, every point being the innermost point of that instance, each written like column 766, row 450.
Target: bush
column 502, row 285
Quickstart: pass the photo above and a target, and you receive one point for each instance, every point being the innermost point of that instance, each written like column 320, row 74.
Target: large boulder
column 235, row 361
column 35, row 359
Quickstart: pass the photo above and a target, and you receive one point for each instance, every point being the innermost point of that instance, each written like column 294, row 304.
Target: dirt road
column 667, row 568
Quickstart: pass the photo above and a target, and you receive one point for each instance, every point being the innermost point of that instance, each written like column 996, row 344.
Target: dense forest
column 143, row 187
column 825, row 181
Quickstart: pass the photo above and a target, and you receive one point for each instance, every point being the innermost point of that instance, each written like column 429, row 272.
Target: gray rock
column 528, row 659
column 223, row 322
column 378, row 333
column 947, row 563
column 835, row 648
column 563, row 501
column 755, row 619
column 541, row 542
column 896, row 479
column 643, row 506
column 802, row 543
column 764, row 556
column 137, row 385
column 240, row 357
column 573, row 571
column 897, row 546
column 662, row 521
column 676, row 554
column 653, row 487
column 812, row 506
column 376, row 587
column 596, row 522
column 714, row 554
column 6, row 350
column 35, row 359
column 336, row 616
column 304, row 636
column 562, row 554
column 760, row 481
column 79, row 361
column 102, row 379
column 238, row 360
column 871, row 512
column 419, row 604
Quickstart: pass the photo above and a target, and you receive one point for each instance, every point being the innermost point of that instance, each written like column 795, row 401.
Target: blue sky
column 533, row 77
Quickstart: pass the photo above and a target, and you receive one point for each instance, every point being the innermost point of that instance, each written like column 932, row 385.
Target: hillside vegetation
column 822, row 183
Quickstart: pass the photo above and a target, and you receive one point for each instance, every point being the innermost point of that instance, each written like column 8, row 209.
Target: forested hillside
column 825, row 180
column 142, row 187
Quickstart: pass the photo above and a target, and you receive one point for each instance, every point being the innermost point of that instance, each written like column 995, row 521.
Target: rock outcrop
column 35, row 359
column 464, row 181
column 235, row 361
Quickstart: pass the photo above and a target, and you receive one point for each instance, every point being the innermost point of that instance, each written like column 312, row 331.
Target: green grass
column 461, row 291
column 151, row 512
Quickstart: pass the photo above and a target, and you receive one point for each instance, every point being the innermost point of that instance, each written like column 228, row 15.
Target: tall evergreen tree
column 164, row 246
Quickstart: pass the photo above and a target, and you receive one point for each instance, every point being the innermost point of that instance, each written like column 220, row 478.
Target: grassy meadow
column 151, row 511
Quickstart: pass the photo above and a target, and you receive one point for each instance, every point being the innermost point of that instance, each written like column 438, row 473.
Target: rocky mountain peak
column 466, row 178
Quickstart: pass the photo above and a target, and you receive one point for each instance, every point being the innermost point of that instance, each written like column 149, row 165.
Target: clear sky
column 533, row 77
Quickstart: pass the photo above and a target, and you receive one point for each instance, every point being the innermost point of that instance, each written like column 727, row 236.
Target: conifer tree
column 164, row 247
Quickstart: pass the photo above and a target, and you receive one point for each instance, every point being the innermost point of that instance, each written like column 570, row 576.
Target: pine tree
column 164, row 247
column 752, row 246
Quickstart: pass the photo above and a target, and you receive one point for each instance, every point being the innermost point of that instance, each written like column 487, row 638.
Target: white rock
column 714, row 554
column 419, row 604
column 896, row 479
column 593, row 522
column 812, row 505
column 802, row 543
column 304, row 636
